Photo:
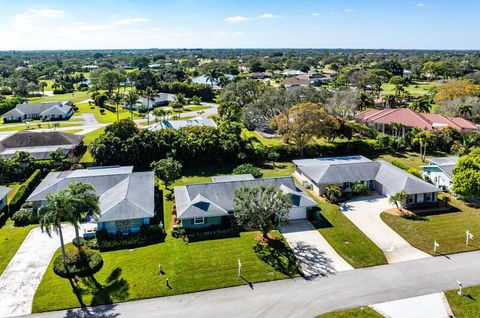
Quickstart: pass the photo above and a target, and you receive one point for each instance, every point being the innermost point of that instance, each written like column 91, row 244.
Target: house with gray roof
column 208, row 204
column 162, row 99
column 44, row 111
column 379, row 176
column 3, row 196
column 40, row 144
column 177, row 124
column 126, row 197
column 439, row 171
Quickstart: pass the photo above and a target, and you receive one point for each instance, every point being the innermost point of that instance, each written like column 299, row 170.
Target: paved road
column 365, row 214
column 23, row 274
column 315, row 256
column 305, row 298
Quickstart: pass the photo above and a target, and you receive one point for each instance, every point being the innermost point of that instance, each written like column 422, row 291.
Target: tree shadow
column 315, row 262
column 277, row 254
column 93, row 312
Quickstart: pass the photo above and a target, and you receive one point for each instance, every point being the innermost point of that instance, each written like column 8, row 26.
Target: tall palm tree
column 85, row 201
column 58, row 207
column 149, row 94
column 423, row 138
column 117, row 98
column 56, row 157
column 398, row 199
column 397, row 128
column 422, row 104
column 131, row 99
column 212, row 76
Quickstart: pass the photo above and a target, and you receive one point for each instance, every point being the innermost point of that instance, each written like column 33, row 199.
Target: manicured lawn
column 465, row 306
column 415, row 89
column 89, row 138
column 11, row 238
column 363, row 312
column 410, row 159
column 107, row 116
column 133, row 274
column 75, row 97
column 72, row 131
column 260, row 139
column 448, row 229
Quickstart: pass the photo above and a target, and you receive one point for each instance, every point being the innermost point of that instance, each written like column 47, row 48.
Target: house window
column 427, row 197
column 411, row 199
column 198, row 220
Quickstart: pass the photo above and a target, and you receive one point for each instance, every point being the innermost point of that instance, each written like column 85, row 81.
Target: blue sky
column 109, row 24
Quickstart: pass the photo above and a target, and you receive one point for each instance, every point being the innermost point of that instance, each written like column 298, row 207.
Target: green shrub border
column 24, row 190
column 94, row 264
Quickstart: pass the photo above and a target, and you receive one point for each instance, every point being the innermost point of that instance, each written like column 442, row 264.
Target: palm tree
column 398, row 199
column 58, row 207
column 160, row 113
column 149, row 94
column 422, row 104
column 56, row 157
column 423, row 138
column 223, row 81
column 117, row 98
column 397, row 129
column 85, row 201
column 42, row 86
column 24, row 158
column 333, row 193
column 465, row 110
column 131, row 100
column 212, row 76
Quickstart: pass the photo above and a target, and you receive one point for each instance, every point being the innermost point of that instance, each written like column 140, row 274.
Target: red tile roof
column 410, row 118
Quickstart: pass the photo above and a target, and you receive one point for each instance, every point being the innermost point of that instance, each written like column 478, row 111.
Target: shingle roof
column 440, row 161
column 41, row 108
column 233, row 177
column 216, row 198
column 162, row 97
column 177, row 124
column 123, row 194
column 4, row 191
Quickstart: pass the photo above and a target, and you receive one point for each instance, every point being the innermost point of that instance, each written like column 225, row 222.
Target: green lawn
column 44, row 125
column 448, row 229
column 465, row 306
column 107, row 116
column 49, row 84
column 133, row 274
column 256, row 137
column 72, row 131
column 89, row 138
column 14, row 186
column 363, row 312
column 414, row 89
column 410, row 159
column 11, row 237
column 75, row 97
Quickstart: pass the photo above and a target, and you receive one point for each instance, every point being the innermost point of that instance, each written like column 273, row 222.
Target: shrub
column 333, row 193
column 102, row 111
column 149, row 234
column 360, row 189
column 82, row 262
column 248, row 168
column 24, row 190
column 178, row 232
column 24, row 217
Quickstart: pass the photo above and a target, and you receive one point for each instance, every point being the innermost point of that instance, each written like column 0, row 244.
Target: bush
column 80, row 262
column 360, row 189
column 248, row 168
column 102, row 111
column 24, row 217
column 178, row 232
column 25, row 189
column 149, row 234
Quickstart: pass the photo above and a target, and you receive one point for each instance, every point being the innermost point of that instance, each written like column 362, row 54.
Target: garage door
column 386, row 191
column 297, row 213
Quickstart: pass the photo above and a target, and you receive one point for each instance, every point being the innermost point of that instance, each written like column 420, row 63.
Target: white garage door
column 386, row 191
column 297, row 213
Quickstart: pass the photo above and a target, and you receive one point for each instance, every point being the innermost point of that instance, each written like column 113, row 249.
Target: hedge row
column 24, row 190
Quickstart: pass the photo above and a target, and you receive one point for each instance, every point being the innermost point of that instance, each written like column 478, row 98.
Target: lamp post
column 468, row 237
column 460, row 288
column 239, row 267
column 435, row 246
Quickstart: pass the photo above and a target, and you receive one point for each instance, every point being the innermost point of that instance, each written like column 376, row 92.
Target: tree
column 84, row 200
column 117, row 98
column 248, row 168
column 302, row 122
column 333, row 193
column 465, row 110
column 398, row 199
column 131, row 100
column 159, row 113
column 149, row 94
column 422, row 104
column 168, row 170
column 466, row 175
column 196, row 100
column 58, row 207
column 56, row 157
column 456, row 89
column 423, row 138
column 343, row 103
column 262, row 207
column 212, row 76
column 42, row 86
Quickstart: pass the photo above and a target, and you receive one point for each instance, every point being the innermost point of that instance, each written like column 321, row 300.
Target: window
column 411, row 199
column 198, row 220
column 427, row 197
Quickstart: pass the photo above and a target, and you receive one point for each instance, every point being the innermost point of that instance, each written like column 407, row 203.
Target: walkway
column 305, row 298
column 315, row 256
column 365, row 214
column 431, row 306
column 23, row 274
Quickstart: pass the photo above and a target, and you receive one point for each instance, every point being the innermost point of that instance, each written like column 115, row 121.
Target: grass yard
column 44, row 125
column 410, row 159
column 75, row 97
column 448, row 229
column 11, row 237
column 72, row 131
column 89, row 138
column 108, row 116
column 14, row 186
column 362, row 312
column 256, row 137
column 414, row 89
column 465, row 306
column 133, row 274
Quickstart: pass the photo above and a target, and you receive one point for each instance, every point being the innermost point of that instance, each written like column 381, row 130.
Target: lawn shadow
column 93, row 312
column 115, row 288
column 277, row 254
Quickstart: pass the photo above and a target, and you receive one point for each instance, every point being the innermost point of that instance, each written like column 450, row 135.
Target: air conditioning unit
column 307, row 185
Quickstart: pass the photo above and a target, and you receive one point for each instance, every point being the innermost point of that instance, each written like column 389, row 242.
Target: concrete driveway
column 315, row 256
column 23, row 274
column 365, row 213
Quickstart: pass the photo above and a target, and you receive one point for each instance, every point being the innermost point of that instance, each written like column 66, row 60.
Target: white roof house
column 177, row 124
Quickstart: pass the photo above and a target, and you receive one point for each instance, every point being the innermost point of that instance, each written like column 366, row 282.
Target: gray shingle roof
column 233, row 177
column 123, row 194
column 41, row 108
column 216, row 198
column 441, row 161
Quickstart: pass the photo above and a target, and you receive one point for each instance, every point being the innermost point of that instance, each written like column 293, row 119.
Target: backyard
column 447, row 228
column 11, row 237
column 415, row 89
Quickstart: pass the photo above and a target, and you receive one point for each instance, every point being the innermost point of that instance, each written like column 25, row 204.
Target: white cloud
column 219, row 33
column 236, row 19
column 315, row 14
column 349, row 10
column 129, row 21
column 269, row 16
column 421, row 5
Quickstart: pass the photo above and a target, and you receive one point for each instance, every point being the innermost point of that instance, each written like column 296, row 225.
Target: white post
column 460, row 288
column 239, row 267
column 469, row 237
column 435, row 246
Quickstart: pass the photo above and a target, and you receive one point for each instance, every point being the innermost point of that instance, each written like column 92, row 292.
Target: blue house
column 439, row 171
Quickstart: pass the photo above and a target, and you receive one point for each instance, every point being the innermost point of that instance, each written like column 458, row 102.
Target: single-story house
column 380, row 119
column 3, row 196
column 206, row 204
column 439, row 171
column 126, row 197
column 39, row 144
column 297, row 81
column 162, row 99
column 378, row 176
column 177, row 124
column 203, row 79
column 44, row 111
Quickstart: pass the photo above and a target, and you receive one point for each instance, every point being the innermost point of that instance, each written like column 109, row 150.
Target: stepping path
column 315, row 256
column 365, row 214
column 23, row 274
column 431, row 306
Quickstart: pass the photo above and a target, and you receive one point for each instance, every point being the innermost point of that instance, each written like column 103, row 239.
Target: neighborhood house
column 43, row 111
column 126, row 197
column 177, row 124
column 439, row 171
column 207, row 204
column 378, row 176
column 162, row 99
